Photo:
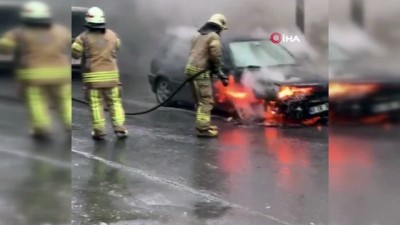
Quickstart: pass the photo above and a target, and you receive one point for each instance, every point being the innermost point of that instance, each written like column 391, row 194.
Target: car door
column 9, row 17
column 173, row 64
column 77, row 27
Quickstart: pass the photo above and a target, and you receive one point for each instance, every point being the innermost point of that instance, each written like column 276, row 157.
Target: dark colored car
column 9, row 18
column 258, row 58
column 77, row 24
column 363, row 90
column 306, row 105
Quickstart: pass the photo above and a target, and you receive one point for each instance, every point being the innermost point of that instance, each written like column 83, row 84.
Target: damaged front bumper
column 302, row 107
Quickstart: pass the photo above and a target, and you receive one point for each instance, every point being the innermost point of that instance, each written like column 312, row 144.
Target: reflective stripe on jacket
column 100, row 77
column 43, row 73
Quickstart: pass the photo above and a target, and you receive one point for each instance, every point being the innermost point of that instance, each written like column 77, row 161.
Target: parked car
column 241, row 55
column 363, row 90
column 78, row 20
column 9, row 18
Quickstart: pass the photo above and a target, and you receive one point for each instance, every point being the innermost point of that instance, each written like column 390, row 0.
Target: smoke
column 142, row 25
column 373, row 48
column 381, row 20
column 179, row 44
column 264, row 82
column 354, row 39
column 301, row 49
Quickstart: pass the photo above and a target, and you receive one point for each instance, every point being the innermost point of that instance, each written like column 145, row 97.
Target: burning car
column 264, row 80
column 305, row 104
column 364, row 85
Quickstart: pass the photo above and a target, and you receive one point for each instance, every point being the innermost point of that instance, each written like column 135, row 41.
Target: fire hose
column 190, row 79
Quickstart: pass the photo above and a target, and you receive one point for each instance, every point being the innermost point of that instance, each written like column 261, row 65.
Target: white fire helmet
column 95, row 15
column 36, row 10
column 220, row 20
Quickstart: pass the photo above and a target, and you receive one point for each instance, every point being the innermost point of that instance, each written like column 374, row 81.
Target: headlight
column 337, row 89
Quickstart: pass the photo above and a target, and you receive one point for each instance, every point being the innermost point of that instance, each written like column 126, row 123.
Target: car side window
column 77, row 23
column 9, row 17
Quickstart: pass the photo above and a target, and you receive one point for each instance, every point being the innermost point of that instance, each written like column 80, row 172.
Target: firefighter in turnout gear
column 205, row 55
column 97, row 47
column 42, row 65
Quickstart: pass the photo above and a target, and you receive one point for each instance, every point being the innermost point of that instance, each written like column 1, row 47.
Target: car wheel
column 163, row 91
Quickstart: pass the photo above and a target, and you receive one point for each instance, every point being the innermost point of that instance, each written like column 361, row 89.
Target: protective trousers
column 112, row 98
column 38, row 98
column 202, row 90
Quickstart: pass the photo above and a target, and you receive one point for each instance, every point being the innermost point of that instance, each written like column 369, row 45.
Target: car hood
column 371, row 70
column 290, row 74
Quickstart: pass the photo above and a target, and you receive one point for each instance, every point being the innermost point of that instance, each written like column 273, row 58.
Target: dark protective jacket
column 98, row 51
column 41, row 54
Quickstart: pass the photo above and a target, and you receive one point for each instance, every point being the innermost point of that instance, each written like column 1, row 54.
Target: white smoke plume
column 264, row 82
column 353, row 39
column 142, row 24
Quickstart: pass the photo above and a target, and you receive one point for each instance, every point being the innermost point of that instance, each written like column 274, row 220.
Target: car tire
column 163, row 91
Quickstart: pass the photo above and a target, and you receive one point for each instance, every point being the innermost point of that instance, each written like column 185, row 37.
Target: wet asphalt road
column 364, row 178
column 164, row 174
column 35, row 181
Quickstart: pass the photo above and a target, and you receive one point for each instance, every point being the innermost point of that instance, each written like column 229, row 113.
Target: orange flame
column 287, row 91
column 311, row 121
column 237, row 96
column 234, row 92
column 340, row 89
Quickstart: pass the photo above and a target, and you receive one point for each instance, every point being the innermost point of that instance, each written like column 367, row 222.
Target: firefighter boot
column 121, row 132
column 40, row 134
column 98, row 135
column 210, row 133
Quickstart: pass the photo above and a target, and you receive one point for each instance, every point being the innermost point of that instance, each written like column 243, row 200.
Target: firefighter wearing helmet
column 97, row 47
column 205, row 55
column 42, row 65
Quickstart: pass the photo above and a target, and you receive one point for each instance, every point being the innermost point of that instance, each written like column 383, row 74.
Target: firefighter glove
column 223, row 78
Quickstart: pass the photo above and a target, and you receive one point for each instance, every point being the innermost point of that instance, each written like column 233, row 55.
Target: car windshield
column 337, row 54
column 260, row 54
